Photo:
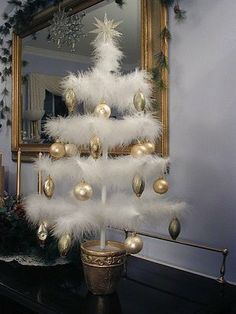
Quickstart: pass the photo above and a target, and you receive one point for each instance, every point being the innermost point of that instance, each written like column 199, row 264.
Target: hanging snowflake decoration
column 66, row 29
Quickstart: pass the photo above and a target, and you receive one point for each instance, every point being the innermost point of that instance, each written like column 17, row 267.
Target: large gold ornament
column 71, row 150
column 139, row 150
column 174, row 228
column 138, row 185
column 133, row 244
column 95, row 147
column 139, row 101
column 64, row 244
column 150, row 147
column 160, row 186
column 42, row 232
column 102, row 110
column 70, row 100
column 83, row 191
column 48, row 187
column 57, row 150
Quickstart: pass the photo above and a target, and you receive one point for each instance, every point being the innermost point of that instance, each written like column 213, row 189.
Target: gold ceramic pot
column 102, row 268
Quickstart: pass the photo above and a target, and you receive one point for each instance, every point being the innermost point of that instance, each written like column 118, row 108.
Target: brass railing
column 224, row 252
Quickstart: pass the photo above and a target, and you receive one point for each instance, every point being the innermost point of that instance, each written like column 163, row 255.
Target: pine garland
column 161, row 60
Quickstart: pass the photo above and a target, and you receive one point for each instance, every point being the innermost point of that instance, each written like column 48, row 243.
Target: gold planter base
column 102, row 268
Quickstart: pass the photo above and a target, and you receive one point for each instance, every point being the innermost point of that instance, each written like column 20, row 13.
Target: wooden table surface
column 149, row 288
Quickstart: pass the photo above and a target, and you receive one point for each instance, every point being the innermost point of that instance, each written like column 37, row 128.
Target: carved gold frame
column 153, row 19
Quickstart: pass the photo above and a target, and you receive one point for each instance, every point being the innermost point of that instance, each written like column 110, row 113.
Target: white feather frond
column 39, row 208
column 106, row 56
column 118, row 91
column 78, row 225
column 112, row 132
column 114, row 172
column 122, row 210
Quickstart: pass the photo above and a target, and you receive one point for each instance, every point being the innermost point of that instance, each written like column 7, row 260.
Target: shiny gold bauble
column 83, row 191
column 160, row 186
column 150, row 147
column 64, row 244
column 174, row 228
column 102, row 110
column 71, row 150
column 139, row 101
column 95, row 147
column 139, row 150
column 42, row 232
column 48, row 187
column 138, row 185
column 70, row 100
column 133, row 244
column 57, row 150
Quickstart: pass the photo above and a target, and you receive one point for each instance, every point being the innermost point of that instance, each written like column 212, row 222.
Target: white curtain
column 37, row 86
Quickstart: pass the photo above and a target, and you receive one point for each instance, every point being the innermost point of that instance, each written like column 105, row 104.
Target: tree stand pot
column 102, row 268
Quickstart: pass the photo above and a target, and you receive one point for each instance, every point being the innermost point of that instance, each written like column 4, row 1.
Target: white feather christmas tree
column 97, row 190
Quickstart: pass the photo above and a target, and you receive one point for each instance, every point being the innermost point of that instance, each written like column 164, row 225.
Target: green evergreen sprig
column 17, row 237
column 120, row 3
column 180, row 14
column 165, row 34
column 161, row 60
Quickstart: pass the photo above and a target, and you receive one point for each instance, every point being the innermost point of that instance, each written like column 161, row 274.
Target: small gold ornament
column 139, row 101
column 160, row 186
column 42, row 232
column 64, row 244
column 133, row 244
column 139, row 150
column 174, row 228
column 150, row 147
column 48, row 187
column 71, row 150
column 138, row 185
column 83, row 191
column 102, row 110
column 57, row 150
column 95, row 147
column 70, row 100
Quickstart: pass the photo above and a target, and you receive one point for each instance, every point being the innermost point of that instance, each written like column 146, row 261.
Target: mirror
column 39, row 64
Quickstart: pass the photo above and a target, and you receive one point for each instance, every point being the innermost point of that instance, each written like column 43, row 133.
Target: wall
column 202, row 136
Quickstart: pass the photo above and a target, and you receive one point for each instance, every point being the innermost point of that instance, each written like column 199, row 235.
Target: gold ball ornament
column 42, row 232
column 102, row 110
column 160, row 186
column 95, row 147
column 71, row 150
column 138, row 185
column 139, row 101
column 57, row 150
column 64, row 244
column 174, row 228
column 150, row 147
column 133, row 244
column 139, row 150
column 70, row 100
column 83, row 191
column 48, row 187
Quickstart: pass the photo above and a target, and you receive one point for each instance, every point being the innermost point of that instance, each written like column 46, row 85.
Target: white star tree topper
column 106, row 29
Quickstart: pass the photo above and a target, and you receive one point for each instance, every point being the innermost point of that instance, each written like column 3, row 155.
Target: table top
column 148, row 288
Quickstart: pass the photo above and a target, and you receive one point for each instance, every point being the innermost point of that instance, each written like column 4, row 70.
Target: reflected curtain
column 37, row 86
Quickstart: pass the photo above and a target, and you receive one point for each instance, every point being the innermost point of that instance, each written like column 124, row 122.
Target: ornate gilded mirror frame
column 153, row 20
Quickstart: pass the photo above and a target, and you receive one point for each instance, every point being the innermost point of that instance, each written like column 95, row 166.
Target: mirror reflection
column 45, row 64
